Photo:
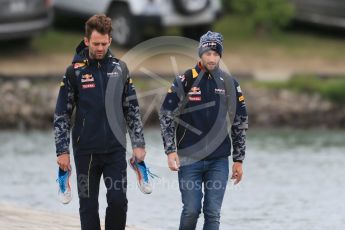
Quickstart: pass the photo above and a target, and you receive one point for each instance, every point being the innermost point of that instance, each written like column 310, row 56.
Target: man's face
column 98, row 45
column 210, row 59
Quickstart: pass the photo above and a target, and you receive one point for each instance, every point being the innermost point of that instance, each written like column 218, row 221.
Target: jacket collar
column 82, row 55
column 199, row 67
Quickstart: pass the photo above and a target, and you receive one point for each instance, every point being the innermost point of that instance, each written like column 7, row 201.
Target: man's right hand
column 64, row 162
column 173, row 161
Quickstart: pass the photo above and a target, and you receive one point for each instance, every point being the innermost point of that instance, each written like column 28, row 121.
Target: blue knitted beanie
column 211, row 41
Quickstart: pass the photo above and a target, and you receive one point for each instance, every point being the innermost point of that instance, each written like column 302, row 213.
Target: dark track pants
column 90, row 168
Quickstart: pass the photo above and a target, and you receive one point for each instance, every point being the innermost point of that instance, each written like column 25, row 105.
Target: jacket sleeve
column 132, row 115
column 239, row 127
column 63, row 112
column 168, row 112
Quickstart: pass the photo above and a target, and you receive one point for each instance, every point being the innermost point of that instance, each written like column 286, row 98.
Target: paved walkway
column 16, row 218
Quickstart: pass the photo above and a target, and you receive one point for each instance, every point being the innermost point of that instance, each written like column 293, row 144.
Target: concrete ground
column 15, row 218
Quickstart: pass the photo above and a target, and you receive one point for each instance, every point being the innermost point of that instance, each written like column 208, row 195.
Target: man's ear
column 86, row 41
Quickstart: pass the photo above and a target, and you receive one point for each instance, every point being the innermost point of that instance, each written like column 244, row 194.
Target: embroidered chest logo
column 79, row 65
column 194, row 91
column 113, row 74
column 88, row 80
column 116, row 71
column 88, row 86
column 194, row 94
column 182, row 78
column 219, row 91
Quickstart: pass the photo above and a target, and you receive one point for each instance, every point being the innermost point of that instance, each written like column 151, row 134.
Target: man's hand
column 173, row 161
column 237, row 172
column 138, row 154
column 64, row 162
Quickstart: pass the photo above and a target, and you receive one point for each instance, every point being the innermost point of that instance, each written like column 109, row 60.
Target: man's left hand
column 237, row 172
column 139, row 154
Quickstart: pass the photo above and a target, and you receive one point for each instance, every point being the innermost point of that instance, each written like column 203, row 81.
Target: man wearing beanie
column 198, row 108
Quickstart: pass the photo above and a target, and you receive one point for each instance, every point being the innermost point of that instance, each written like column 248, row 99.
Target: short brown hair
column 100, row 23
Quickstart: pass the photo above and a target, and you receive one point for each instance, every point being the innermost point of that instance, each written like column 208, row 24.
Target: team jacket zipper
column 184, row 133
column 82, row 129
column 103, row 100
column 209, row 77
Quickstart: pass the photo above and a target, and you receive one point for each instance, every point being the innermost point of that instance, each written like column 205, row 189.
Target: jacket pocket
column 182, row 136
column 80, row 133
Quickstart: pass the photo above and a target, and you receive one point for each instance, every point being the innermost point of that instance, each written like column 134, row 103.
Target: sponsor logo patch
column 88, row 86
column 78, row 65
column 87, row 78
column 113, row 74
column 239, row 89
column 219, row 91
column 209, row 44
column 195, row 98
column 194, row 91
column 182, row 78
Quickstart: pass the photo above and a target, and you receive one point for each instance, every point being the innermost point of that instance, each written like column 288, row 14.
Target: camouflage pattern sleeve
column 63, row 112
column 132, row 115
column 167, row 114
column 239, row 127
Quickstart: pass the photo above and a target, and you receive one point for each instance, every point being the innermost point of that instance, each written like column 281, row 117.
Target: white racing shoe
column 143, row 173
column 65, row 194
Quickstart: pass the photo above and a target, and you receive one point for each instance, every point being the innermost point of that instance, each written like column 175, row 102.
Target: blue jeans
column 213, row 176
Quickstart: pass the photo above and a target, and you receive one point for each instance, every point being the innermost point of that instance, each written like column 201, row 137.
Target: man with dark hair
column 98, row 85
column 196, row 109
